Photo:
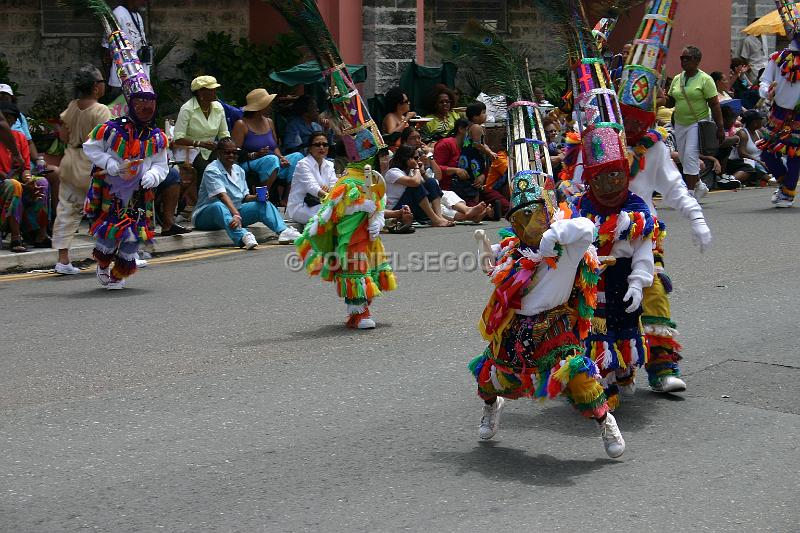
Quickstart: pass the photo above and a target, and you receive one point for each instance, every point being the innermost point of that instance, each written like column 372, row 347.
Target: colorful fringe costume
column 545, row 271
column 782, row 139
column 616, row 343
column 120, row 199
column 539, row 355
column 652, row 170
column 625, row 227
column 335, row 245
column 340, row 243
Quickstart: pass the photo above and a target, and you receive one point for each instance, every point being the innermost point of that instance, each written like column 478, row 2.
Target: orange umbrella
column 769, row 24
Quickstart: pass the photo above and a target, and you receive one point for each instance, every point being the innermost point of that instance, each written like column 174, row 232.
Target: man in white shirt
column 132, row 25
column 753, row 51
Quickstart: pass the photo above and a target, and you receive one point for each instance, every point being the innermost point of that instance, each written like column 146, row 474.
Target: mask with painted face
column 609, row 189
column 530, row 222
column 533, row 205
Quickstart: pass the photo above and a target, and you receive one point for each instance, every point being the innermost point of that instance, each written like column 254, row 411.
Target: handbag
column 706, row 129
column 310, row 200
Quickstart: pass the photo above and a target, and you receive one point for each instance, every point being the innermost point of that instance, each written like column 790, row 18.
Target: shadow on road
column 324, row 332
column 494, row 461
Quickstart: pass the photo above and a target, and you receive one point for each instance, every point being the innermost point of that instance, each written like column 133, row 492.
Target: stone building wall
column 38, row 61
column 742, row 15
column 526, row 30
column 389, row 41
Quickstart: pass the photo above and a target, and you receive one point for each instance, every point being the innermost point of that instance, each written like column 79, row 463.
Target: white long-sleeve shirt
column 552, row 287
column 660, row 174
column 787, row 95
column 309, row 178
column 103, row 157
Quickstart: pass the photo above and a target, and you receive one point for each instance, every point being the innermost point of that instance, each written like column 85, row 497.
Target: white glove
column 148, row 181
column 547, row 246
column 375, row 226
column 634, row 294
column 701, row 235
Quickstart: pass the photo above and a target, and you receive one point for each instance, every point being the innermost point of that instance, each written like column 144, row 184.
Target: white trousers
column 69, row 212
column 687, row 141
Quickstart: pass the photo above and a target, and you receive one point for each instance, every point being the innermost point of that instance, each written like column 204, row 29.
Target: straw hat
column 258, row 99
column 204, row 82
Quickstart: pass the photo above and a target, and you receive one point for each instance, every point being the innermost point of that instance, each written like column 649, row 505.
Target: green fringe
column 562, row 352
column 473, row 365
column 658, row 320
column 597, row 402
column 505, row 233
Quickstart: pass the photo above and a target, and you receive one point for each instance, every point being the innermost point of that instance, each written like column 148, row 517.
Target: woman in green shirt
column 695, row 97
column 444, row 118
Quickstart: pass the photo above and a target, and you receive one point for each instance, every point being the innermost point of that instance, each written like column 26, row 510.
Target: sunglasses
column 320, row 145
column 231, row 152
column 687, row 58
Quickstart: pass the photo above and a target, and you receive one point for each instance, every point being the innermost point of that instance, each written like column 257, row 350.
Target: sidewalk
column 45, row 258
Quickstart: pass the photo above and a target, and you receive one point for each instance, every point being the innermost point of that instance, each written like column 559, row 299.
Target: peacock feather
column 494, row 65
column 304, row 18
column 98, row 8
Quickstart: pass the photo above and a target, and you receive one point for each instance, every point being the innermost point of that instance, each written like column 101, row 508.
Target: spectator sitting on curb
column 305, row 120
column 224, row 202
column 398, row 113
column 428, row 166
column 24, row 199
column 313, row 179
column 255, row 134
column 405, row 185
column 446, row 153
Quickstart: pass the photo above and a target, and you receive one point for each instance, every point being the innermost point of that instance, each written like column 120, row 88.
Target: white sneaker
column 103, row 275
column 249, row 241
column 772, row 181
column 141, row 263
column 782, row 200
column 144, row 254
column 612, row 437
column 288, row 235
column 669, row 384
column 115, row 284
column 700, row 190
column 366, row 323
column 67, row 270
column 490, row 421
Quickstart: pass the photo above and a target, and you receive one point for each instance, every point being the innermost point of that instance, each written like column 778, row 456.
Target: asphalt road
column 223, row 394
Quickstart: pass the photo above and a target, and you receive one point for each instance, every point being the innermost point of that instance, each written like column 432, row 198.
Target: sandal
column 401, row 228
column 17, row 246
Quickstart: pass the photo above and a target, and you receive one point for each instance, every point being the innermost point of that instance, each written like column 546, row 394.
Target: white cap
column 5, row 88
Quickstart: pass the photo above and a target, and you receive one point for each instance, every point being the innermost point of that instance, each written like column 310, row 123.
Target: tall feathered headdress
column 359, row 133
column 500, row 69
column 129, row 69
column 595, row 100
column 789, row 11
column 640, row 75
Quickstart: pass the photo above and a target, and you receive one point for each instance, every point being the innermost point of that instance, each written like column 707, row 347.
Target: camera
column 145, row 54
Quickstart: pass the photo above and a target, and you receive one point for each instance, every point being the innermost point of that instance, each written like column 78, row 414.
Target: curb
column 82, row 251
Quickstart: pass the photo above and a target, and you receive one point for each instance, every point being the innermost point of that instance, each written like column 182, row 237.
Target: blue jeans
column 413, row 196
column 217, row 216
column 268, row 164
